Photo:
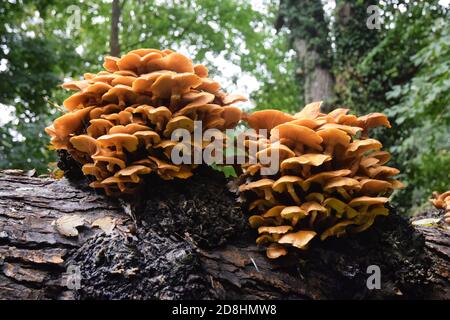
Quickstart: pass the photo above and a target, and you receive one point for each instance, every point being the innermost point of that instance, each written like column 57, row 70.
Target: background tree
column 309, row 37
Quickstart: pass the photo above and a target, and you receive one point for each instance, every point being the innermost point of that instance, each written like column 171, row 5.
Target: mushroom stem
column 306, row 171
column 329, row 149
column 294, row 196
column 268, row 194
column 175, row 99
column 299, row 149
column 344, row 193
column 119, row 149
column 312, row 219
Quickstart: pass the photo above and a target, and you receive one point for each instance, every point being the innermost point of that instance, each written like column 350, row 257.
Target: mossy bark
column 189, row 239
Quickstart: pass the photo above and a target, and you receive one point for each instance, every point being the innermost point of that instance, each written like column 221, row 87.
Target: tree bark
column 115, row 20
column 309, row 36
column 318, row 80
column 166, row 247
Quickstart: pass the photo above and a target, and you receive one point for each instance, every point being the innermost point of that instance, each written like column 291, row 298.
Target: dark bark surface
column 114, row 43
column 191, row 241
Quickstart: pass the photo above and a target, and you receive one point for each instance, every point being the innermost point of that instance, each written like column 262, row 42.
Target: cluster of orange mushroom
column 442, row 201
column 119, row 123
column 332, row 179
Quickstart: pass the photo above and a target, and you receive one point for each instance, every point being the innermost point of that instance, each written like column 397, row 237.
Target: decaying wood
column 147, row 262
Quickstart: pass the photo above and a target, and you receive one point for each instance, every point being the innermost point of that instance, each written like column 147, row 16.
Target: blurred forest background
column 282, row 54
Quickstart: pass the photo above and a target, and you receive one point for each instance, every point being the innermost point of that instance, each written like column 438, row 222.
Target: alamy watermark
column 374, row 280
column 373, row 21
column 245, row 149
column 73, row 279
column 74, row 20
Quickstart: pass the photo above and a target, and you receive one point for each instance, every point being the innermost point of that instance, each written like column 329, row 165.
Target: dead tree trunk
column 192, row 242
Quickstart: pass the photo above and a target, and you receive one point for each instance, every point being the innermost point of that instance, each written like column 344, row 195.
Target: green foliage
column 422, row 117
column 227, row 170
column 33, row 66
column 306, row 20
column 402, row 70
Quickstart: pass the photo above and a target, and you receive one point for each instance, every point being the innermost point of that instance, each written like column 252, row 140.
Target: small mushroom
column 130, row 128
column 166, row 170
column 342, row 185
column 351, row 130
column 366, row 220
column 120, row 94
column 79, row 85
column 99, row 127
column 130, row 61
column 373, row 120
column 261, row 186
column 85, row 143
column 180, row 122
column 66, row 125
column 201, row 70
column 123, row 80
column 209, row 85
column 133, row 172
column 332, row 137
column 373, row 187
column 293, row 213
column 382, row 156
column 274, row 230
column 159, row 117
column 195, row 98
column 256, row 221
column 112, row 162
column 296, row 136
column 280, row 150
column 173, row 86
column 382, row 172
column 121, row 118
column 90, row 169
column 119, row 141
column 148, row 138
column 310, row 111
column 323, row 177
column 361, row 201
column 359, row 147
column 110, row 63
column 267, row 119
column 338, row 230
column 309, row 123
column 274, row 212
column 298, row 239
column 261, row 204
column 121, row 182
column 232, row 115
column 108, row 109
column 312, row 209
column 304, row 162
column 286, row 183
column 274, row 251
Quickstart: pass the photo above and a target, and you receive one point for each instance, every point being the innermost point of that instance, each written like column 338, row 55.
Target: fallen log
column 61, row 240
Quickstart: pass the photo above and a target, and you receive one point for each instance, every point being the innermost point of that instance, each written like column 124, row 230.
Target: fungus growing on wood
column 441, row 201
column 333, row 182
column 119, row 122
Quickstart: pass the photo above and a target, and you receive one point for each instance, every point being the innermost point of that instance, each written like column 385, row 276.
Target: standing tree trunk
column 189, row 240
column 318, row 81
column 353, row 41
column 114, row 43
column 309, row 36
